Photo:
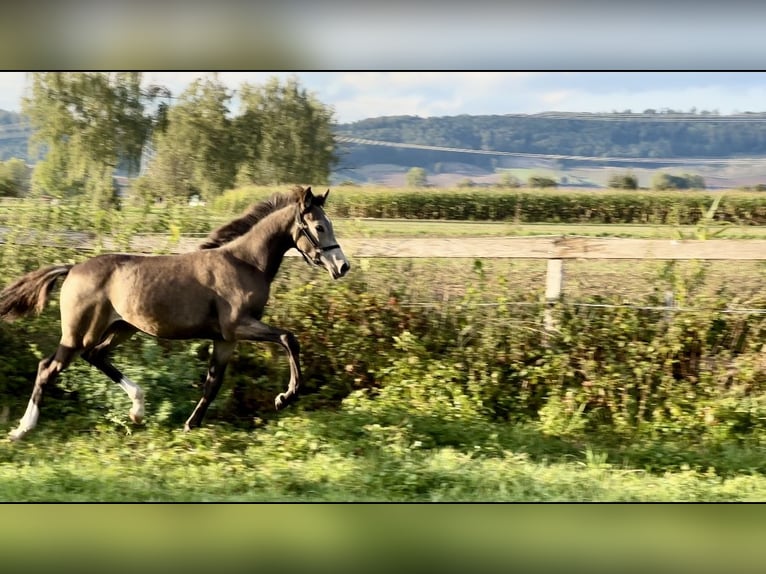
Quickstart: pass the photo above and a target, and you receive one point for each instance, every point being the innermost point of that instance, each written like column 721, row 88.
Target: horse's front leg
column 222, row 351
column 254, row 330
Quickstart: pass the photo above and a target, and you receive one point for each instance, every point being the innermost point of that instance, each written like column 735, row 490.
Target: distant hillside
column 13, row 141
column 649, row 135
column 646, row 135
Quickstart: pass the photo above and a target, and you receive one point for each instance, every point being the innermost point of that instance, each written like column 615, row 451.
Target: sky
column 358, row 95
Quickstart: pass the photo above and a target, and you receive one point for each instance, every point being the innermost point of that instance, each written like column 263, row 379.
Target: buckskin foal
column 217, row 292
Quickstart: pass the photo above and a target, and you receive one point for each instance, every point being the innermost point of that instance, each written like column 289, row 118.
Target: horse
column 216, row 292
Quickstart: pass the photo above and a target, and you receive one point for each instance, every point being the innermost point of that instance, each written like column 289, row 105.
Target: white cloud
column 11, row 90
column 557, row 97
column 358, row 95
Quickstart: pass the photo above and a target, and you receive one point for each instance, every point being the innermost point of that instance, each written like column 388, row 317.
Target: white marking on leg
column 27, row 422
column 136, row 393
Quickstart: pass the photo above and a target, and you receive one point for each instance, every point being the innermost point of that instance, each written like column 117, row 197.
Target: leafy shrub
column 625, row 181
column 14, row 178
column 521, row 205
column 542, row 182
column 417, row 177
column 666, row 181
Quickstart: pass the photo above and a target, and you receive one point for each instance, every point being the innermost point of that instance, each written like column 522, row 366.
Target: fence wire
column 669, row 309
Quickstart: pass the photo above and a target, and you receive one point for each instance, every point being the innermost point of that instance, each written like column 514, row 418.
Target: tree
column 14, row 177
column 508, row 180
column 416, row 177
column 623, row 181
column 284, row 135
column 665, row 181
column 85, row 123
column 196, row 152
column 541, row 182
column 695, row 181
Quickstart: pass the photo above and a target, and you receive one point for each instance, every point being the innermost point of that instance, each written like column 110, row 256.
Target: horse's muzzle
column 336, row 263
column 345, row 266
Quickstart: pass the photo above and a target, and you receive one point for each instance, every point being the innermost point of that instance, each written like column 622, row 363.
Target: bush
column 756, row 187
column 14, row 178
column 508, row 180
column 521, row 205
column 417, row 177
column 665, row 181
column 623, row 182
column 542, row 182
column 622, row 370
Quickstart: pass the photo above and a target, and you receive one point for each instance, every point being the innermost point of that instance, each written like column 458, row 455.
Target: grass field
column 326, row 457
column 436, row 228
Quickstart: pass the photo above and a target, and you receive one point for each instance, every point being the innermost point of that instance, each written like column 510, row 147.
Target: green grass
column 438, row 228
column 327, row 457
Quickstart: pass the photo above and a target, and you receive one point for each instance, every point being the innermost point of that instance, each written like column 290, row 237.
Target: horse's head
column 314, row 236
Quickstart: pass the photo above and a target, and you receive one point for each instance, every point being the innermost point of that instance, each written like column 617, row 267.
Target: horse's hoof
column 16, row 435
column 280, row 401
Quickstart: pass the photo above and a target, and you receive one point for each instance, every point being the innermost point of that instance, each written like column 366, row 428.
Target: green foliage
column 756, row 187
column 281, row 135
column 89, row 124
column 14, row 178
column 623, row 181
column 541, row 182
column 195, row 153
column 340, row 456
column 10, row 146
column 284, row 134
column 707, row 227
column 86, row 123
column 651, row 136
column 417, row 177
column 665, row 181
column 508, row 180
column 524, row 205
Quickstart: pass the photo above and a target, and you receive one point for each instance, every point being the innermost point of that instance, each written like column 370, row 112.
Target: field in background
column 438, row 228
column 716, row 176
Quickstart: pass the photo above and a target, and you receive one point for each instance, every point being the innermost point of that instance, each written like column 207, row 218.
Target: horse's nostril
column 344, row 268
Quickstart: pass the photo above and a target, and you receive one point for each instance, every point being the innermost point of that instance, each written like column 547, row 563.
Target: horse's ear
column 326, row 193
column 307, row 199
column 320, row 199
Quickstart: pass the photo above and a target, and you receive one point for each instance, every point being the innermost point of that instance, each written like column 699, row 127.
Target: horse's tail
column 30, row 292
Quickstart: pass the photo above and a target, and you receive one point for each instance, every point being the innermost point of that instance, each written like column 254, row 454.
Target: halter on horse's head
column 314, row 236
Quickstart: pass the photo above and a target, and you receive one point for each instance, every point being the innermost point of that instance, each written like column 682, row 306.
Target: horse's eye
column 320, row 228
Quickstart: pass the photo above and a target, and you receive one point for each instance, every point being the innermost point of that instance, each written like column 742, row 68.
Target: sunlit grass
column 321, row 457
column 436, row 228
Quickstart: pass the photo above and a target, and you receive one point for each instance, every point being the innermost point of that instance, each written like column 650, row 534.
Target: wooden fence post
column 554, row 286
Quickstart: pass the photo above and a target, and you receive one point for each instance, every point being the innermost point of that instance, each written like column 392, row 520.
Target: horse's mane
column 253, row 215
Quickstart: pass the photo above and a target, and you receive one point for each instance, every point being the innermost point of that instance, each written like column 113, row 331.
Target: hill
column 13, row 140
column 660, row 140
column 648, row 136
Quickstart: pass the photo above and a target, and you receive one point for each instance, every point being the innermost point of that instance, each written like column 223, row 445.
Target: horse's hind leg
column 47, row 371
column 97, row 356
column 222, row 351
column 254, row 330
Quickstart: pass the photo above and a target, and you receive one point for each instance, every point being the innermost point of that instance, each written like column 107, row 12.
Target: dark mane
column 253, row 215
